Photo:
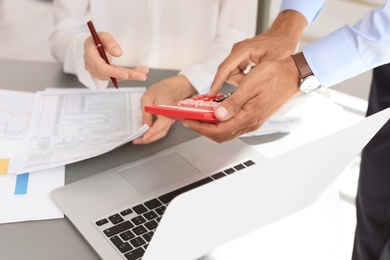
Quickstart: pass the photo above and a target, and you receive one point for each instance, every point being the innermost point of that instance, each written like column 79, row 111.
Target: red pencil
column 100, row 48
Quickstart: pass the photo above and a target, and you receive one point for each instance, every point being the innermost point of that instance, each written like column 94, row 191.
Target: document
column 66, row 126
column 15, row 114
column 292, row 116
column 77, row 124
column 26, row 196
column 15, row 118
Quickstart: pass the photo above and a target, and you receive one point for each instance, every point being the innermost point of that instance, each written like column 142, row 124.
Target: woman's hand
column 103, row 71
column 164, row 92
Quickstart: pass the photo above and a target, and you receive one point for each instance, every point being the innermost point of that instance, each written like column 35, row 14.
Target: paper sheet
column 69, row 125
column 292, row 116
column 27, row 196
column 15, row 118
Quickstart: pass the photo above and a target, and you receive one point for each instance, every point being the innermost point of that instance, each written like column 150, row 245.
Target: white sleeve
column 68, row 38
column 351, row 50
column 310, row 9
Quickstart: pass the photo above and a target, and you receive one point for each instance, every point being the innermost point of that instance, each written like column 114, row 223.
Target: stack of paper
column 66, row 126
column 41, row 132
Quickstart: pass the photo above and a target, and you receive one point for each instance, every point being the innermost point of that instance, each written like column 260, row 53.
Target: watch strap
column 301, row 63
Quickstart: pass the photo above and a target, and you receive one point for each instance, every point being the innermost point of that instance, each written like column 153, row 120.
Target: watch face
column 309, row 84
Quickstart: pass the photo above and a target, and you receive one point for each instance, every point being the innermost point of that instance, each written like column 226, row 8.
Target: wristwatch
column 309, row 82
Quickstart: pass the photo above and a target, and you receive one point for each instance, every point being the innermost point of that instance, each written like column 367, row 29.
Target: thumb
column 230, row 106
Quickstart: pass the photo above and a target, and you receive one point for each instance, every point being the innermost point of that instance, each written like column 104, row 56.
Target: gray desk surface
column 58, row 239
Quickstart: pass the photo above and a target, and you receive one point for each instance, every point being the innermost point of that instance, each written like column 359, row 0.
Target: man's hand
column 261, row 94
column 278, row 42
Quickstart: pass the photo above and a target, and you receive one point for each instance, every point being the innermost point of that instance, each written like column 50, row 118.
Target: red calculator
column 199, row 108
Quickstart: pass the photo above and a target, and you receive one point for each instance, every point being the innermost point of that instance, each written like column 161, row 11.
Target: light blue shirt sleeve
column 310, row 8
column 351, row 50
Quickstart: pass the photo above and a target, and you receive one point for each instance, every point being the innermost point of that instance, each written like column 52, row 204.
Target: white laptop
column 185, row 201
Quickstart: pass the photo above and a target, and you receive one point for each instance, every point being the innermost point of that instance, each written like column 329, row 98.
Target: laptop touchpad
column 158, row 172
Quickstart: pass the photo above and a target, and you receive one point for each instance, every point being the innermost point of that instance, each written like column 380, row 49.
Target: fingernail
column 221, row 112
column 116, row 51
column 142, row 77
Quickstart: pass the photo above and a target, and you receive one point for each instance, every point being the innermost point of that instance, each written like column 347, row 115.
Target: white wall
column 25, row 27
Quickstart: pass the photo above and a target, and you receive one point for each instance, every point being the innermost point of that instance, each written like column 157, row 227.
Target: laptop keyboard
column 131, row 230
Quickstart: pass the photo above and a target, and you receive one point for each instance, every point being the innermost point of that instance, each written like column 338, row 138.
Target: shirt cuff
column 76, row 52
column 309, row 9
column 335, row 57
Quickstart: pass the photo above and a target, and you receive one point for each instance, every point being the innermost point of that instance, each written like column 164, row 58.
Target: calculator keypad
column 203, row 101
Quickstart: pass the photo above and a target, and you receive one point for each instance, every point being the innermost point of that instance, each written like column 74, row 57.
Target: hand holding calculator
column 199, row 108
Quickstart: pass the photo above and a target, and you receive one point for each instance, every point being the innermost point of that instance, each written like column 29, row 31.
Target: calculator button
column 209, row 104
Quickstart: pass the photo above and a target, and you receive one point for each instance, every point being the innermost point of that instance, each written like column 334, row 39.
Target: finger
column 217, row 133
column 224, row 131
column 235, row 79
column 105, row 71
column 159, row 130
column 147, row 118
column 110, row 45
column 206, row 129
column 142, row 69
column 226, row 68
column 234, row 135
column 137, row 74
column 223, row 72
column 245, row 67
column 230, row 106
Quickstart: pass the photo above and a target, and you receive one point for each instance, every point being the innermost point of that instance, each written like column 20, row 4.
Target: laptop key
column 118, row 228
column 138, row 220
column 229, row 171
column 101, row 222
column 151, row 225
column 139, row 230
column 122, row 246
column 171, row 195
column 126, row 212
column 148, row 236
column 160, row 210
column 137, row 242
column 135, row 254
column 249, row 163
column 140, row 209
column 150, row 215
column 239, row 167
column 127, row 235
column 115, row 219
column 218, row 175
column 152, row 204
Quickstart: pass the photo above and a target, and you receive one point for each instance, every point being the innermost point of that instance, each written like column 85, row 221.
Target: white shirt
column 193, row 36
column 350, row 50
